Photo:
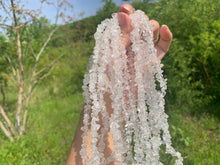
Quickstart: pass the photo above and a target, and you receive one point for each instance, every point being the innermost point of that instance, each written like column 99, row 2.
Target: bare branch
column 6, row 132
column 37, row 59
column 33, row 80
column 33, row 17
column 33, row 83
column 32, row 51
column 57, row 15
column 45, row 75
column 52, row 63
column 5, row 117
column 39, row 54
column 45, row 43
column 23, row 24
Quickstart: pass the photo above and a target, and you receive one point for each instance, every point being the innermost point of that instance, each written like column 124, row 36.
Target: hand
column 125, row 24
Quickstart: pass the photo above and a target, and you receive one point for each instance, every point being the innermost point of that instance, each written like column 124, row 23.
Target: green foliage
column 3, row 60
column 34, row 34
column 6, row 48
column 196, row 138
column 84, row 30
column 73, row 65
column 192, row 63
column 206, row 48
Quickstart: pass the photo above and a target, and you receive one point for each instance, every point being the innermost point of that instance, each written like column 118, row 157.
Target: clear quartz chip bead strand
column 138, row 116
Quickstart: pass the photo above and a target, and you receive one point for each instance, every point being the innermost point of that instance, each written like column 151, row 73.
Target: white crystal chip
column 138, row 118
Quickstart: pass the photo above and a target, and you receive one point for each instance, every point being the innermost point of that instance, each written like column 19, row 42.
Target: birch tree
column 16, row 18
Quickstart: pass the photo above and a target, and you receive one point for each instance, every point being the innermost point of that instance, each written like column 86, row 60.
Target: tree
column 24, row 28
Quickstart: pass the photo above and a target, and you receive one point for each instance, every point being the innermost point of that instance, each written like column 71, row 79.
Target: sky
column 87, row 7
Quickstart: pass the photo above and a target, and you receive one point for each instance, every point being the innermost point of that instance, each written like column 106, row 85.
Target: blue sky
column 88, row 7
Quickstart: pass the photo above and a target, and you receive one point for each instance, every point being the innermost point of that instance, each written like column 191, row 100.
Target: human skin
column 162, row 47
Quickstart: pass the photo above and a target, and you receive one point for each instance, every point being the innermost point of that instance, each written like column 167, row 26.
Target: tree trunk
column 21, row 85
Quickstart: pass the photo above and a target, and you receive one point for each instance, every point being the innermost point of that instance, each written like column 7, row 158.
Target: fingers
column 164, row 42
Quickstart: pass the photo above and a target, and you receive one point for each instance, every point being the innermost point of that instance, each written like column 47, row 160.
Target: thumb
column 125, row 23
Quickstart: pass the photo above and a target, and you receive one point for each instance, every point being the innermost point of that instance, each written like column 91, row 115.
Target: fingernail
column 167, row 33
column 129, row 11
column 165, row 27
column 126, row 8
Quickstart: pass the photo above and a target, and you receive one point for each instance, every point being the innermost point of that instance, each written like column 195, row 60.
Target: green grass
column 51, row 127
column 198, row 139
